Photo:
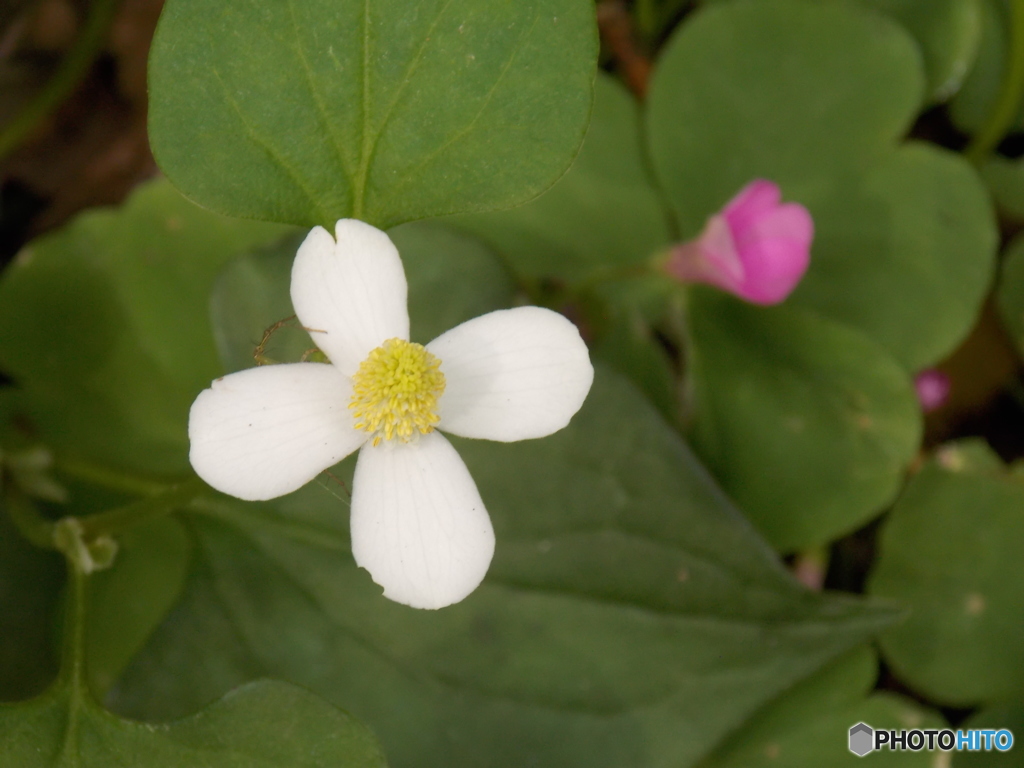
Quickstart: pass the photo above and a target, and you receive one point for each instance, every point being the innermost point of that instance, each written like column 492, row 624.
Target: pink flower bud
column 932, row 389
column 756, row 248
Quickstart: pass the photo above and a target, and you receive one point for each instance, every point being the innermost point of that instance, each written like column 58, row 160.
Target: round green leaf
column 814, row 96
column 906, row 252
column 1009, row 716
column 951, row 553
column 949, row 33
column 1005, row 181
column 807, row 423
column 603, row 213
column 263, row 725
column 1010, row 297
column 790, row 90
column 308, row 112
column 104, row 325
column 970, row 108
column 807, row 725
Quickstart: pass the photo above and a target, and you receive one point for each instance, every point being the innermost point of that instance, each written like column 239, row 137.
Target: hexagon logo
column 862, row 739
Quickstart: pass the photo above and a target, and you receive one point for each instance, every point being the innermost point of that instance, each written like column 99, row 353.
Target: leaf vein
column 335, row 142
column 458, row 135
column 414, row 65
column 268, row 148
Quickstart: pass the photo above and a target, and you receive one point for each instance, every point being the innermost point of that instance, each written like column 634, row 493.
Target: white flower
column 418, row 523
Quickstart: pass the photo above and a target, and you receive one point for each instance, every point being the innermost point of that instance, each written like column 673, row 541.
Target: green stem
column 611, row 274
column 115, row 521
column 90, row 529
column 111, row 479
column 73, row 644
column 646, row 18
column 74, row 66
column 1007, row 106
column 811, row 566
column 26, row 518
column 72, row 668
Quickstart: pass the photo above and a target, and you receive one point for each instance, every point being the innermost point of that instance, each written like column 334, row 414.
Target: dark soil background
column 92, row 149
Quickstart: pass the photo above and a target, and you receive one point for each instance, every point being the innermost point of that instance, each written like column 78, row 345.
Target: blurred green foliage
column 638, row 611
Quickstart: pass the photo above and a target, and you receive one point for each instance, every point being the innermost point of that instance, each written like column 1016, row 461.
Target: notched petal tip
column 353, row 292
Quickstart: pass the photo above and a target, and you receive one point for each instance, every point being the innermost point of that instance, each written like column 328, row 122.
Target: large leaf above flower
column 308, row 112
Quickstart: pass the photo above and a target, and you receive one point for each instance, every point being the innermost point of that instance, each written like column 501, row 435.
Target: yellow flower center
column 395, row 391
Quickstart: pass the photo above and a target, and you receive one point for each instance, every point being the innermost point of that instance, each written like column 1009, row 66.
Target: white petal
column 418, row 523
column 268, row 431
column 512, row 374
column 351, row 294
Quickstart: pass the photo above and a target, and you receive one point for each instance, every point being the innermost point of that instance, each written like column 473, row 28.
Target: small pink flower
column 757, row 248
column 932, row 388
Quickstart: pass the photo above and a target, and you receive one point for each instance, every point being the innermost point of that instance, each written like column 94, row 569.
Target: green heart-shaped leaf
column 949, row 33
column 815, row 96
column 805, row 726
column 905, row 252
column 950, row 552
column 308, row 112
column 975, row 101
column 1005, row 181
column 806, row 423
column 794, row 91
column 1009, row 716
